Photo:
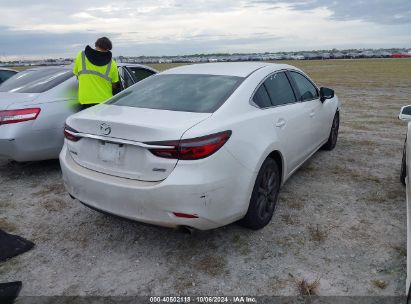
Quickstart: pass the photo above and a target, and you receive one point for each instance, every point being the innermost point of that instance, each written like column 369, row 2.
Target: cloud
column 15, row 42
column 377, row 11
column 142, row 27
column 196, row 44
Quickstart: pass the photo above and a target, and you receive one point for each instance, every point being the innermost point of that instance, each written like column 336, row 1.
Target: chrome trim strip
column 118, row 140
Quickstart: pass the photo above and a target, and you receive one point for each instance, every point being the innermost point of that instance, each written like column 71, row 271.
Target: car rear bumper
column 217, row 190
column 20, row 143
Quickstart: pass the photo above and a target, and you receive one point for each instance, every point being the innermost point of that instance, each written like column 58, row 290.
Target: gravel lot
column 340, row 219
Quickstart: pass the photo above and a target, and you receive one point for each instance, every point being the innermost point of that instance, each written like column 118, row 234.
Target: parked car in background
column 6, row 74
column 199, row 146
column 35, row 103
column 405, row 114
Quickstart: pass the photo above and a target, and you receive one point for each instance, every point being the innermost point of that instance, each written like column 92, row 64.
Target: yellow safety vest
column 95, row 82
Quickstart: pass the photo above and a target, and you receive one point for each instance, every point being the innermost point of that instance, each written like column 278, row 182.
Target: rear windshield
column 35, row 81
column 185, row 93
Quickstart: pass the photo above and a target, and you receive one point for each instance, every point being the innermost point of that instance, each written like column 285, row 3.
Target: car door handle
column 312, row 114
column 280, row 123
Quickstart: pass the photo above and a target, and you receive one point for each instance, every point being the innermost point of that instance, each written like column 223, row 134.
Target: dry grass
column 6, row 205
column 402, row 250
column 53, row 205
column 165, row 66
column 7, row 225
column 317, row 235
column 390, row 192
column 55, row 189
column 306, row 288
column 379, row 284
column 211, row 265
column 241, row 244
column 289, row 220
column 357, row 74
column 359, row 175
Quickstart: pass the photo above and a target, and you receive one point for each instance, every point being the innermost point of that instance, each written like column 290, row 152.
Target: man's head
column 103, row 44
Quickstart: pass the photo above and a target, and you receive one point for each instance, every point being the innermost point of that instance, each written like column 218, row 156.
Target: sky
column 56, row 28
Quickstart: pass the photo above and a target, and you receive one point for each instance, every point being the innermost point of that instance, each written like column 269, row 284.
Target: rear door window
column 36, row 81
column 279, row 89
column 140, row 73
column 307, row 90
column 261, row 97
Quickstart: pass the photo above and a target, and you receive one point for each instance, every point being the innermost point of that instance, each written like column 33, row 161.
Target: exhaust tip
column 187, row 230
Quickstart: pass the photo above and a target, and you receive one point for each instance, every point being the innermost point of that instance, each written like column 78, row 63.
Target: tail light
column 191, row 149
column 70, row 134
column 15, row 116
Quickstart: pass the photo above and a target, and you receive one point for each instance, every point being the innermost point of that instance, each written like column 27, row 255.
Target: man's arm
column 116, row 88
column 115, row 79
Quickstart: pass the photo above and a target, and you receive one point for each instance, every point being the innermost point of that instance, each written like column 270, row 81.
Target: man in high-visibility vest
column 97, row 73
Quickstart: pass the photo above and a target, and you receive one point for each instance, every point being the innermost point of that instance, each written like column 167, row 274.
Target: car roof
column 55, row 67
column 239, row 69
column 70, row 67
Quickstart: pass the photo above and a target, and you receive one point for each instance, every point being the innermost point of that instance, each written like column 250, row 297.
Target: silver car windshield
column 36, row 81
column 186, row 93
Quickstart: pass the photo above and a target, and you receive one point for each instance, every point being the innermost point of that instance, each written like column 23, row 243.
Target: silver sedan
column 35, row 103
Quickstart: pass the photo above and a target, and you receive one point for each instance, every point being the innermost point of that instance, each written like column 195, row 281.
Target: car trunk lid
column 114, row 139
column 10, row 100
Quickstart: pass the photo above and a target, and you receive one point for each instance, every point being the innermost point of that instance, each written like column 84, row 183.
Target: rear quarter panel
column 43, row 138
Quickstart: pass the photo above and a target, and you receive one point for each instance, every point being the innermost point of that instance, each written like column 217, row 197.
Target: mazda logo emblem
column 105, row 129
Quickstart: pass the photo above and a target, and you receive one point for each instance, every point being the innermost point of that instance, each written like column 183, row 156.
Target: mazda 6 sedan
column 199, row 146
column 35, row 103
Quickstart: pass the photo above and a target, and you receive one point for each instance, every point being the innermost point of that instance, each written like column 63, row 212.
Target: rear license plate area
column 110, row 152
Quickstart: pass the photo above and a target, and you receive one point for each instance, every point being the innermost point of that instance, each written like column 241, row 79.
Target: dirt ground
column 341, row 218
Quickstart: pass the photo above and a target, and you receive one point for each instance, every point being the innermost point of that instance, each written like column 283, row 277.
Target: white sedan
column 199, row 146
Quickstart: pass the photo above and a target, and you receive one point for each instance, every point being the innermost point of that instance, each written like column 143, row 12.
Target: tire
column 403, row 173
column 264, row 197
column 332, row 138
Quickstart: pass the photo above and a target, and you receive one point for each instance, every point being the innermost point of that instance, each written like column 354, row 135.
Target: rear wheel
column 403, row 173
column 332, row 138
column 264, row 196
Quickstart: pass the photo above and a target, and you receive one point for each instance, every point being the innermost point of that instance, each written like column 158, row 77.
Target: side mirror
column 405, row 113
column 326, row 93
